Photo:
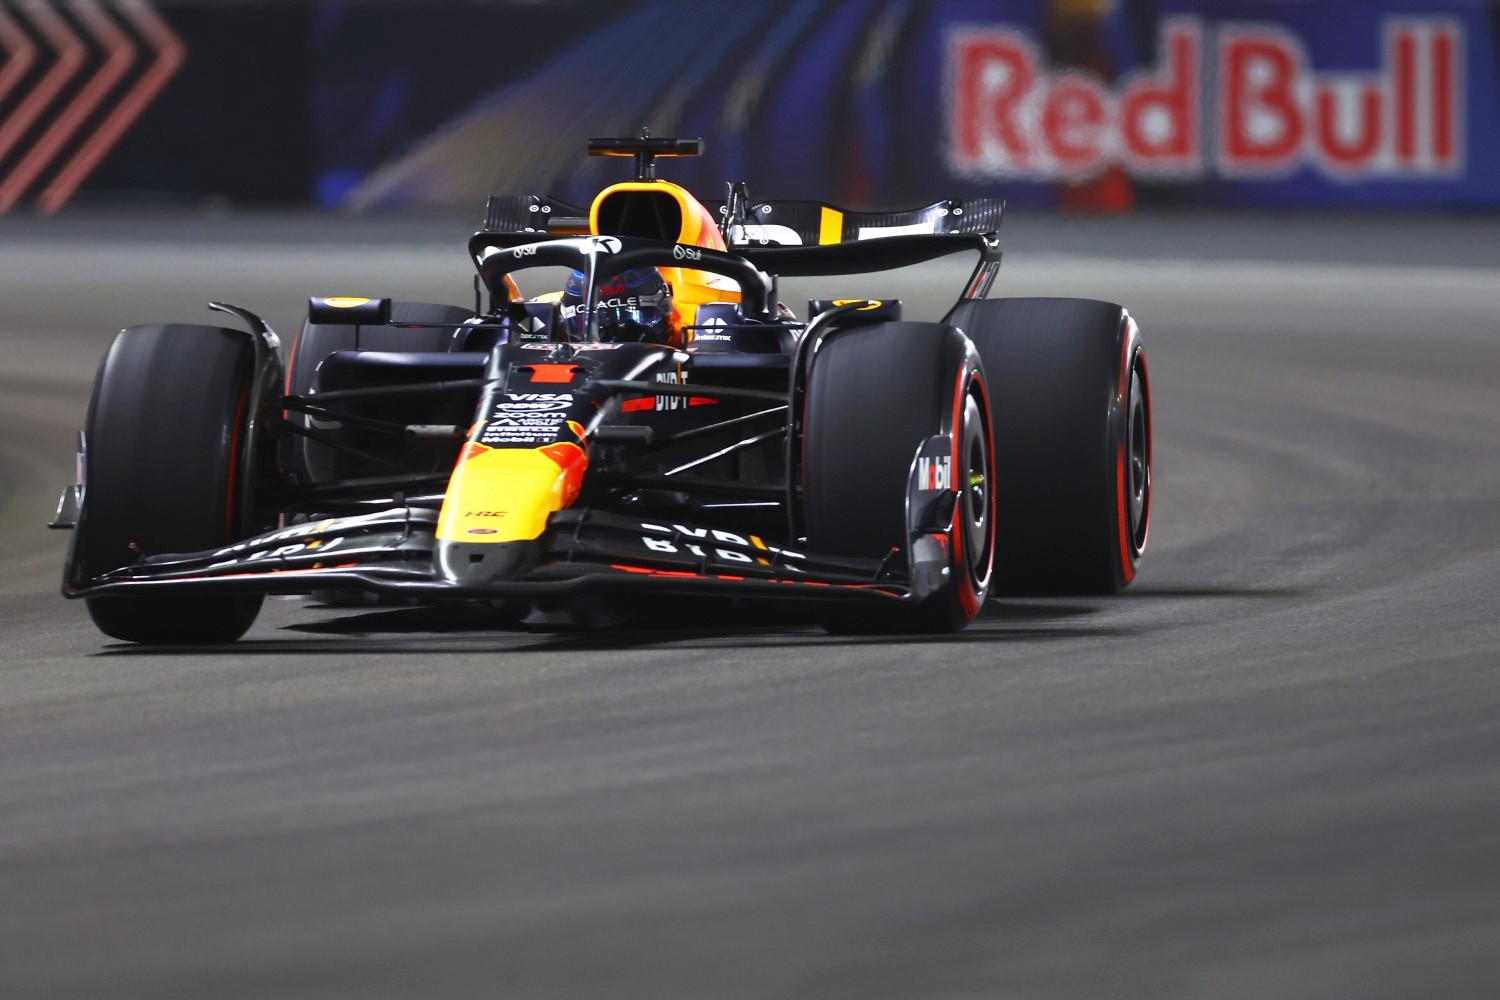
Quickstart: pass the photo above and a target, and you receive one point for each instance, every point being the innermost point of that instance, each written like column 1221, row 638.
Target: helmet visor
column 629, row 324
column 634, row 306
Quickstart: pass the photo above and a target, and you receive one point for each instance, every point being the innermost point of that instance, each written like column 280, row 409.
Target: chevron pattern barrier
column 74, row 77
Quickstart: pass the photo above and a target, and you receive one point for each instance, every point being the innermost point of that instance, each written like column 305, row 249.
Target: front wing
column 392, row 552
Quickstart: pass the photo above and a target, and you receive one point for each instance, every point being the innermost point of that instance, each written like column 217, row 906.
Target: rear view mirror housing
column 348, row 310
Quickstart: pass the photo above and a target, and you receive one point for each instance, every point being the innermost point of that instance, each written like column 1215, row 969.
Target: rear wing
column 770, row 223
column 792, row 238
column 807, row 223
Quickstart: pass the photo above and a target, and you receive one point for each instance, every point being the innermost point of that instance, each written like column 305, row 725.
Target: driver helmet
column 633, row 307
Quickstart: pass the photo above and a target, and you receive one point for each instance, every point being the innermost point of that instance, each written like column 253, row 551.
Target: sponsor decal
column 346, row 302
column 672, row 402
column 516, row 406
column 530, row 406
column 663, row 545
column 609, row 302
column 520, row 432
column 576, row 347
column 529, row 250
column 868, row 306
column 481, row 531
column 686, row 540
column 935, row 472
column 1270, row 111
column 532, row 328
column 680, row 252
column 285, row 534
column 602, row 244
column 520, row 435
column 530, row 419
column 764, row 234
column 712, row 331
column 315, row 545
column 527, row 427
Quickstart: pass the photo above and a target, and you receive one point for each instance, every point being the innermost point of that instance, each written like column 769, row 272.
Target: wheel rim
column 1138, row 459
column 975, row 499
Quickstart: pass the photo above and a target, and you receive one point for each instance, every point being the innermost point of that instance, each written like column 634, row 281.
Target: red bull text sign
column 1260, row 108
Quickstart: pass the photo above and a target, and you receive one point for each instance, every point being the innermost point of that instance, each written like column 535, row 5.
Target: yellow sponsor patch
column 346, row 302
column 869, row 304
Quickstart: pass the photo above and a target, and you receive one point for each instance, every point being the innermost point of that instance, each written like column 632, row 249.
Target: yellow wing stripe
column 831, row 226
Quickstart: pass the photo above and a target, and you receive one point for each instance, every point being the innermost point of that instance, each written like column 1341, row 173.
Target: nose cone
column 505, row 493
column 470, row 564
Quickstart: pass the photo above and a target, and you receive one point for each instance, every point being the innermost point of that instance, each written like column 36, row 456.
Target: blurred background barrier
column 1102, row 105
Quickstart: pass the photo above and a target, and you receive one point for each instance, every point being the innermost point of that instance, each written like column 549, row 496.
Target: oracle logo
column 1271, row 113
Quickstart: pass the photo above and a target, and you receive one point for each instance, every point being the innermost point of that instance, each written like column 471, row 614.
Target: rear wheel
column 317, row 341
column 1072, row 408
column 875, row 396
column 165, row 437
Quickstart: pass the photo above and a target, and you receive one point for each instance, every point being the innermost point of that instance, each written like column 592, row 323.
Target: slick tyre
column 316, row 341
column 1071, row 401
column 165, row 446
column 874, row 395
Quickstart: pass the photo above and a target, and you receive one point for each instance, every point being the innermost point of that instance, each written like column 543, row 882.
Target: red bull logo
column 1233, row 100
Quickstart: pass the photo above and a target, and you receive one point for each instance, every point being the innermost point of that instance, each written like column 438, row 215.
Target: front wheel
column 165, row 442
column 897, row 418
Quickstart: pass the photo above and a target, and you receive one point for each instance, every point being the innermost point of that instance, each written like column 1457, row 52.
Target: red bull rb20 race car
column 663, row 424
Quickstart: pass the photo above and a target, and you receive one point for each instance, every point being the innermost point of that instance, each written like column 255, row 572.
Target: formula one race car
column 662, row 425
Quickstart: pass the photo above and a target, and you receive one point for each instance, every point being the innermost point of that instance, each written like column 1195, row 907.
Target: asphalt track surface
column 1271, row 769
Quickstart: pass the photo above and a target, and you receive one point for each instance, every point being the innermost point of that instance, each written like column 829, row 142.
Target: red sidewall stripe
column 1131, row 354
column 967, row 594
